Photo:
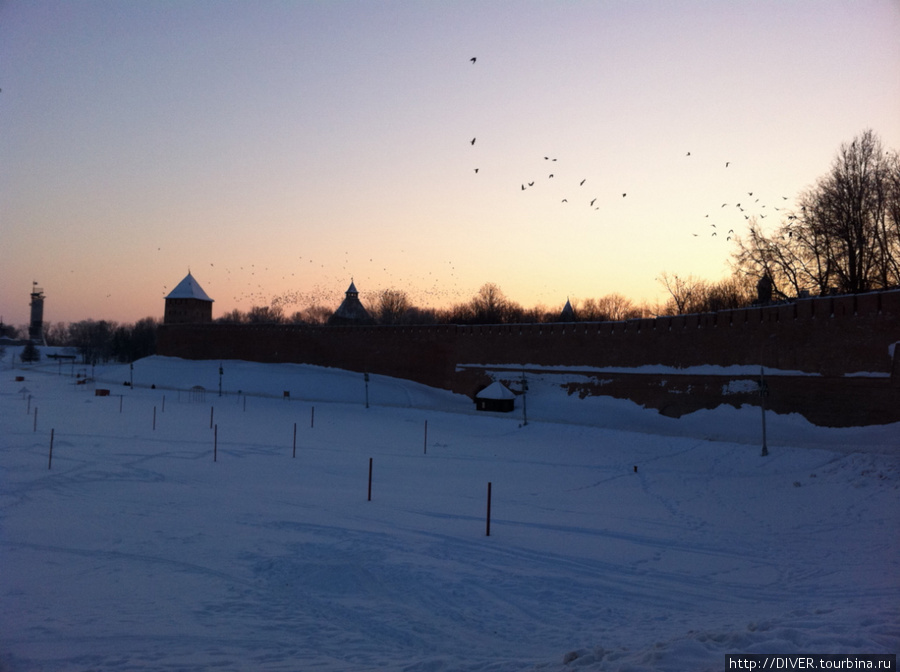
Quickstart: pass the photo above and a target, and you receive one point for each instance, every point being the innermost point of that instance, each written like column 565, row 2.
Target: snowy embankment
column 137, row 551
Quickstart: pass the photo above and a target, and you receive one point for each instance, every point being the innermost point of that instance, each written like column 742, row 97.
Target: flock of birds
column 748, row 209
column 425, row 289
column 329, row 288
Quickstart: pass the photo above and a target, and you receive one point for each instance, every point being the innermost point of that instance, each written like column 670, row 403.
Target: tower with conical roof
column 188, row 303
column 568, row 313
column 351, row 311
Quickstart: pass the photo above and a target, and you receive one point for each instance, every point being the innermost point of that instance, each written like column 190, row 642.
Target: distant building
column 36, row 327
column 568, row 313
column 351, row 310
column 188, row 303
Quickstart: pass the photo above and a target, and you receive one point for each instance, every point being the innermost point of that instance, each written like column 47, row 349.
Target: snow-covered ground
column 138, row 551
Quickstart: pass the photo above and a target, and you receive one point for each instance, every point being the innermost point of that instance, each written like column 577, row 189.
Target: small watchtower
column 351, row 310
column 188, row 303
column 568, row 313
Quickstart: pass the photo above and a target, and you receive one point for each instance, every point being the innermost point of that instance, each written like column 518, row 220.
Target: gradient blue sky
column 277, row 149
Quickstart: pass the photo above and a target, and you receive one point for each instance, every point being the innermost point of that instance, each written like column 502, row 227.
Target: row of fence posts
column 294, row 454
column 215, row 428
column 487, row 532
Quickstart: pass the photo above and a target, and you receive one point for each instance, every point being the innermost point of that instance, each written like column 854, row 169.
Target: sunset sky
column 279, row 149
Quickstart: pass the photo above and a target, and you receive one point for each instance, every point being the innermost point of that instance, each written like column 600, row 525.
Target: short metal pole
column 295, row 440
column 763, row 393
column 50, row 459
column 367, row 389
column 215, row 443
column 426, row 438
column 370, row 479
column 524, row 400
column 488, row 528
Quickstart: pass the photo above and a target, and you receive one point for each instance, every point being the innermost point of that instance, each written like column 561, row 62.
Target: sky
column 277, row 150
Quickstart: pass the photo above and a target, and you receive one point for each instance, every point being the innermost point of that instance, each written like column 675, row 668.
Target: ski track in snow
column 137, row 552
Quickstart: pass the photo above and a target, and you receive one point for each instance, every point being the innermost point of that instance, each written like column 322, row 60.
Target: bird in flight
column 476, row 170
column 582, row 182
column 472, row 141
column 473, row 59
column 624, row 195
column 592, row 202
column 727, row 163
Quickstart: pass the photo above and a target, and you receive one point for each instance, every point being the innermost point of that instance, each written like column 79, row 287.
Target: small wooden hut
column 495, row 397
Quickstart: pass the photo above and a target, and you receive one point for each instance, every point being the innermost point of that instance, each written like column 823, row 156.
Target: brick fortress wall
column 833, row 356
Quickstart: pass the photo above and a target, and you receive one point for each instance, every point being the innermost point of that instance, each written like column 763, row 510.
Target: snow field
column 137, row 551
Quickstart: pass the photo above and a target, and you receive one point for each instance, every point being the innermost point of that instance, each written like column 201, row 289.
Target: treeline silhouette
column 490, row 305
column 843, row 237
column 96, row 341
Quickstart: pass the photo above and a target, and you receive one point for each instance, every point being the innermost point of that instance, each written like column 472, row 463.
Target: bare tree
column 8, row 331
column 391, row 306
column 316, row 314
column 845, row 234
column 93, row 339
column 683, row 290
column 56, row 333
column 616, row 307
column 266, row 315
column 490, row 305
column 233, row 317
